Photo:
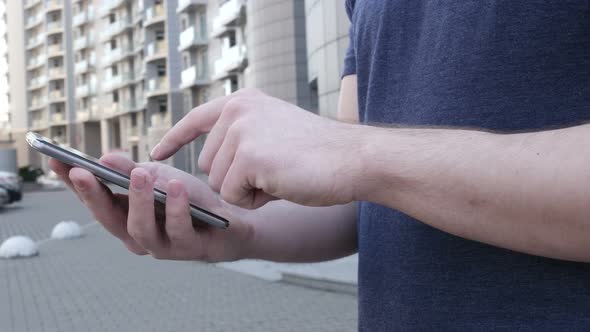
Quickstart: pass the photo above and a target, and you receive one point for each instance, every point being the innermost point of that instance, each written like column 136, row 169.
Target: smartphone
column 79, row 159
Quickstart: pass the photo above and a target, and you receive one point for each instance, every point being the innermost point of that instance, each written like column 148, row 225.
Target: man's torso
column 497, row 65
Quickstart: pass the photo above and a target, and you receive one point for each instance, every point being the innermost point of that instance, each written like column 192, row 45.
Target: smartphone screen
column 77, row 158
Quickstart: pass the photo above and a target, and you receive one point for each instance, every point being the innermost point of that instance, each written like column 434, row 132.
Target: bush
column 29, row 173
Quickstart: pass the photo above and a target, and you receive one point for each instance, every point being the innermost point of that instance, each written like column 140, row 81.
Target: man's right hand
column 167, row 235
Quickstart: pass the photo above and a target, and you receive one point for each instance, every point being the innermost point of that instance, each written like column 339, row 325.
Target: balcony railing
column 228, row 12
column 54, row 26
column 107, row 5
column 157, row 48
column 36, row 41
column 34, row 20
column 193, row 75
column 81, row 66
column 58, row 117
column 38, row 102
column 154, row 13
column 116, row 27
column 38, row 81
column 113, row 82
column 56, row 71
column 85, row 90
column 36, row 61
column 232, row 59
column 83, row 41
column 55, row 48
column 83, row 16
column 191, row 36
column 158, row 84
column 30, row 3
column 56, row 94
column 187, row 4
column 53, row 4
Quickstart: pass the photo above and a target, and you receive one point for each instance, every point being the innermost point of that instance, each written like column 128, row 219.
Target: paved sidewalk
column 94, row 284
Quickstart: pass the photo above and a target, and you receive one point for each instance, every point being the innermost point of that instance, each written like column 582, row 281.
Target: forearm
column 287, row 232
column 526, row 192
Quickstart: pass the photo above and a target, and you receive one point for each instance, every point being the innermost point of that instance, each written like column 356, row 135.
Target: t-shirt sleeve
column 350, row 57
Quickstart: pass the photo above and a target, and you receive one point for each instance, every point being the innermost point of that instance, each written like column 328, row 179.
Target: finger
column 237, row 189
column 62, row 170
column 104, row 206
column 141, row 220
column 178, row 218
column 199, row 121
column 222, row 163
column 118, row 163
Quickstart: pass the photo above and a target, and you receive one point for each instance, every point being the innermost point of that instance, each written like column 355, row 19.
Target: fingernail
column 155, row 152
column 138, row 181
column 174, row 189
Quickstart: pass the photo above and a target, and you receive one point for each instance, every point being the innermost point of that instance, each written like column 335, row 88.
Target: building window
column 161, row 70
column 115, row 96
column 231, row 38
column 160, row 34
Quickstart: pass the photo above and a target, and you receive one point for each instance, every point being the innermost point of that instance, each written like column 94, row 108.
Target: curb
column 318, row 283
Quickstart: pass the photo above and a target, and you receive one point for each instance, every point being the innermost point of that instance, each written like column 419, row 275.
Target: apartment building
column 117, row 74
column 87, row 112
column 327, row 41
column 5, row 123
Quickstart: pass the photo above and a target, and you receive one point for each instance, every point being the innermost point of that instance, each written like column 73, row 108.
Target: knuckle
column 233, row 107
column 204, row 163
column 159, row 255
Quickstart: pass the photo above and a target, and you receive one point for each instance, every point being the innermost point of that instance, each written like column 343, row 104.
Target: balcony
column 108, row 5
column 36, row 41
column 54, row 27
column 228, row 13
column 154, row 14
column 88, row 114
column 60, row 139
column 31, row 3
column 56, row 96
column 193, row 76
column 232, row 60
column 56, row 73
column 113, row 29
column 83, row 17
column 51, row 5
column 58, row 118
column 83, row 42
column 156, row 50
column 39, row 123
column 157, row 86
column 188, row 5
column 192, row 38
column 81, row 66
column 37, row 82
column 55, row 50
column 85, row 90
column 38, row 103
column 115, row 55
column 39, row 60
column 33, row 21
column 115, row 82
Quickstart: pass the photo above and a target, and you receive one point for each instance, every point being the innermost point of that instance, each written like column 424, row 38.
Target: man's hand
column 165, row 234
column 260, row 149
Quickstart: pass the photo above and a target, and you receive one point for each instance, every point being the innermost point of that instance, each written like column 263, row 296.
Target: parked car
column 4, row 197
column 12, row 184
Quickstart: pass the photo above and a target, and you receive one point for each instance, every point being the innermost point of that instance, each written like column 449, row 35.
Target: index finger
column 196, row 123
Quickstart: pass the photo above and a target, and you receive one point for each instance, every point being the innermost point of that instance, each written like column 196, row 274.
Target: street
column 95, row 284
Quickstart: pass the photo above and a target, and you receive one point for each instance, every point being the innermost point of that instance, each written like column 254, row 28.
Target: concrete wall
column 327, row 41
column 276, row 49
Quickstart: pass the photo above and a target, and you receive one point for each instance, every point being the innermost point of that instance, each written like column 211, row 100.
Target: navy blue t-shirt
column 501, row 65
